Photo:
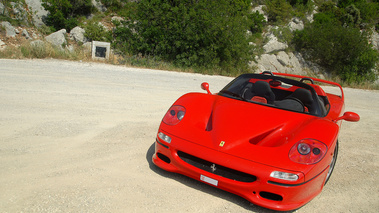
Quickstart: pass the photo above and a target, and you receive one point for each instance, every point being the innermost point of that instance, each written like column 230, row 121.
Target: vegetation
column 335, row 41
column 63, row 14
column 96, row 32
column 203, row 34
column 214, row 36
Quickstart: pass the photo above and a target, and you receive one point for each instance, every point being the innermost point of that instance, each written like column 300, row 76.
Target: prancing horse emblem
column 213, row 167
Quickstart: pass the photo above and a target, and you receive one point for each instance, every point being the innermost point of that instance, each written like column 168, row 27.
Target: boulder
column 37, row 43
column 77, row 34
column 38, row 12
column 10, row 30
column 285, row 63
column 2, row 9
column 58, row 38
column 283, row 58
column 99, row 6
column 25, row 33
column 2, row 45
column 18, row 10
column 296, row 24
column 273, row 45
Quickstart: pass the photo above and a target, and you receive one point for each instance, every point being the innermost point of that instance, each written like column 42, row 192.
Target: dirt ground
column 78, row 137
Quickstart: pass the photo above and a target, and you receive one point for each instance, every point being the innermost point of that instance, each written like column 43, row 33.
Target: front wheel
column 333, row 163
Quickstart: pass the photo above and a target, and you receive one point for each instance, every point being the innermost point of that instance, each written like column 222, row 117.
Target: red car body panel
column 251, row 138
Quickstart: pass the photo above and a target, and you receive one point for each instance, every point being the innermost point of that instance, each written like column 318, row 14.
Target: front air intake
column 216, row 169
column 271, row 196
column 163, row 157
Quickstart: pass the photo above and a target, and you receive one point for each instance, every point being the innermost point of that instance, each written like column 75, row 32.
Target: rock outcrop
column 38, row 12
column 9, row 29
column 77, row 34
column 273, row 45
column 58, row 38
column 296, row 24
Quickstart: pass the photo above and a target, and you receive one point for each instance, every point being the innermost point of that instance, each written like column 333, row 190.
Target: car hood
column 247, row 130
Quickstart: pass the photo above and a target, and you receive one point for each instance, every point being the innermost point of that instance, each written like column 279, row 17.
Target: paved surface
column 78, row 137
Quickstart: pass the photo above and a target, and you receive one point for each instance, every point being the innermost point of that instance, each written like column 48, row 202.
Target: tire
column 332, row 164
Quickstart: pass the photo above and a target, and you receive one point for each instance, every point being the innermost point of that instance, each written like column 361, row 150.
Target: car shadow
column 204, row 187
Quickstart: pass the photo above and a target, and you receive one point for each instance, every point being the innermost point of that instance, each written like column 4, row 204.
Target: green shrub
column 344, row 51
column 96, row 32
column 258, row 22
column 190, row 33
column 278, row 10
column 64, row 13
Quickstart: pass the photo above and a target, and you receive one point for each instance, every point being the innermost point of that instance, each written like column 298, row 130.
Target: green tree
column 64, row 13
column 365, row 11
column 278, row 10
column 258, row 21
column 344, row 51
column 199, row 33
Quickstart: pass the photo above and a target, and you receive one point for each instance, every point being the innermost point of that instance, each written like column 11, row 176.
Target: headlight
column 164, row 137
column 284, row 176
column 174, row 115
column 308, row 151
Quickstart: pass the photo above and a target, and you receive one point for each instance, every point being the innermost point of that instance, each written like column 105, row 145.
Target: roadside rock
column 37, row 43
column 273, row 44
column 58, row 38
column 38, row 11
column 25, row 33
column 18, row 10
column 10, row 30
column 77, row 34
column 2, row 45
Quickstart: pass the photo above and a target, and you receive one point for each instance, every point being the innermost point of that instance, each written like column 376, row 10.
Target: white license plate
column 209, row 180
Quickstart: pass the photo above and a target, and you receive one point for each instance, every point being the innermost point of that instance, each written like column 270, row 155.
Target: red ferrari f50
column 266, row 137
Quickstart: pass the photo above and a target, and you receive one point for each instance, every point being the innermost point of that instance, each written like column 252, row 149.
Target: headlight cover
column 174, row 115
column 308, row 151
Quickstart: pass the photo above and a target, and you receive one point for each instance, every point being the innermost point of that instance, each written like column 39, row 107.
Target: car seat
column 263, row 93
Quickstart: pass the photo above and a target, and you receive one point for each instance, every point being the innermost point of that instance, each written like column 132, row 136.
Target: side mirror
column 205, row 86
column 349, row 116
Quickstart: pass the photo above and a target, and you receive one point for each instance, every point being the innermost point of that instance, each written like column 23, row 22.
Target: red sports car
column 271, row 138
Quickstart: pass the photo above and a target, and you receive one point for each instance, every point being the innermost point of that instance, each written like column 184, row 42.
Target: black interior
column 304, row 99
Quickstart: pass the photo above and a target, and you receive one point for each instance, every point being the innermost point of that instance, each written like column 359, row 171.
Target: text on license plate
column 209, row 180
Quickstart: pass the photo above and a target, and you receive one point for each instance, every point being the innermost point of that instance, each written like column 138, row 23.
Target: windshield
column 279, row 92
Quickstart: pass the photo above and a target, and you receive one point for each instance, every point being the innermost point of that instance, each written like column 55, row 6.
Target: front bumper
column 262, row 190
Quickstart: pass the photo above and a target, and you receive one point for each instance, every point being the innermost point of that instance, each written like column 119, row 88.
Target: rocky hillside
column 274, row 53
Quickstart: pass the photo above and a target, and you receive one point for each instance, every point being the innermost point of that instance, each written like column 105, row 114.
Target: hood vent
column 209, row 124
column 255, row 140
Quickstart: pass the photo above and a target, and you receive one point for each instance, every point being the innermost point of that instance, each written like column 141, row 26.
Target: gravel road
column 78, row 137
